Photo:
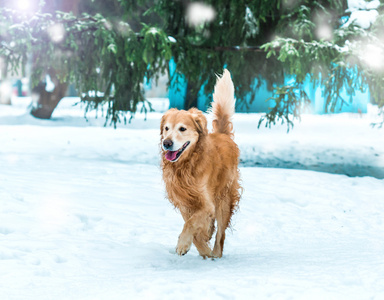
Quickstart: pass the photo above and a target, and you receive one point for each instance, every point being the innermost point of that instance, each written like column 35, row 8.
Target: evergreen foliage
column 106, row 60
column 109, row 57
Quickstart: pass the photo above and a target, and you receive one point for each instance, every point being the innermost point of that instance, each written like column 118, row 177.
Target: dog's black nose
column 167, row 144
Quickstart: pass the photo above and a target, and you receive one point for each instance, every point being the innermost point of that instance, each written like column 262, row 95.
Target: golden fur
column 202, row 182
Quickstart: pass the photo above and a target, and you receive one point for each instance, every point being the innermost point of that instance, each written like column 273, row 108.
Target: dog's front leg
column 198, row 224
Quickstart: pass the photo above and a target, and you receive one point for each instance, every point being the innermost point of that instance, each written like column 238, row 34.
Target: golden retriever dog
column 200, row 169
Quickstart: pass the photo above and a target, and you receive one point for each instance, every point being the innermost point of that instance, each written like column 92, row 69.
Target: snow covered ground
column 83, row 213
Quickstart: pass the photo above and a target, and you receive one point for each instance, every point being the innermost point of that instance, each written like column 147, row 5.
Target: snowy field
column 83, row 213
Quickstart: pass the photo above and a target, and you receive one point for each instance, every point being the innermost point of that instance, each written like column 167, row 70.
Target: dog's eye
column 182, row 129
column 166, row 128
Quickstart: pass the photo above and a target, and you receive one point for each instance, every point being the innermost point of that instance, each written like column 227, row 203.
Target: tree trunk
column 191, row 96
column 47, row 101
column 72, row 6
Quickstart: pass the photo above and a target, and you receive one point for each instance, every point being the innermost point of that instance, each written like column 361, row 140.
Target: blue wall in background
column 178, row 90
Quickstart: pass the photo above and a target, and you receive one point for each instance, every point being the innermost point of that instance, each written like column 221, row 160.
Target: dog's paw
column 216, row 253
column 182, row 250
column 183, row 245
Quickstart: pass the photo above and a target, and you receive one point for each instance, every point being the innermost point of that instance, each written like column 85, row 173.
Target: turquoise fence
column 356, row 103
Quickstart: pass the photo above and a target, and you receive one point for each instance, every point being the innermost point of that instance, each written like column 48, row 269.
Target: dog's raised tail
column 223, row 105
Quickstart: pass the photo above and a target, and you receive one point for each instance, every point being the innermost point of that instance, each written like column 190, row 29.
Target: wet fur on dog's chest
column 182, row 185
column 205, row 170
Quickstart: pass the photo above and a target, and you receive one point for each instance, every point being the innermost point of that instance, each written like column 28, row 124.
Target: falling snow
column 56, row 32
column 199, row 13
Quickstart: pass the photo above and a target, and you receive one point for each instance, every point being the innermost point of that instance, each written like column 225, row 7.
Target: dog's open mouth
column 174, row 155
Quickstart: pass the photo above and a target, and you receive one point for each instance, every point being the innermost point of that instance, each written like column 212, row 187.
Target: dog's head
column 180, row 132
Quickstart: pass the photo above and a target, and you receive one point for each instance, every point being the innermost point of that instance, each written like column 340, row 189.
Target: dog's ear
column 200, row 121
column 164, row 118
column 162, row 123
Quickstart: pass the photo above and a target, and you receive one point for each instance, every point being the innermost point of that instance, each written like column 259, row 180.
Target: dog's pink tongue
column 171, row 155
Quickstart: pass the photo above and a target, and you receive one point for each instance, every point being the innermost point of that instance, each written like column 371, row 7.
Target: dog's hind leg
column 226, row 206
column 201, row 240
column 223, row 216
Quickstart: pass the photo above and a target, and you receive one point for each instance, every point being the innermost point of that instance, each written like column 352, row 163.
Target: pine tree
column 108, row 57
